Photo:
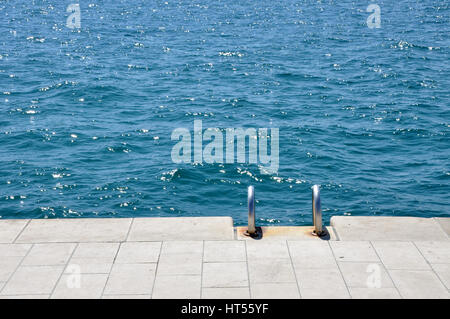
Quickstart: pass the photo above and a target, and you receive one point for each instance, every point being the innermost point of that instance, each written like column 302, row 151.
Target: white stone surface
column 445, row 224
column 271, row 270
column 374, row 293
column 181, row 228
column 75, row 230
column 224, row 251
column 400, row 255
column 131, row 279
column 275, row 291
column 138, row 252
column 311, row 255
column 218, row 275
column 387, row 228
column 365, row 275
column 94, row 258
column 225, row 293
column 49, row 254
column 177, row 287
column 88, row 286
column 321, row 283
column 30, row 280
column 200, row 264
column 11, row 228
column 436, row 252
column 359, row 251
column 419, row 284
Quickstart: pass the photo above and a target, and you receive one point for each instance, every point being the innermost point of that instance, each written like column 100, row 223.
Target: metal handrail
column 317, row 211
column 251, row 230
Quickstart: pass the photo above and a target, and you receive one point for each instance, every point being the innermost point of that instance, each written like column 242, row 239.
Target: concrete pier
column 207, row 257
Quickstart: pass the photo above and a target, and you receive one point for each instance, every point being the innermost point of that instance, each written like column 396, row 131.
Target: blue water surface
column 86, row 115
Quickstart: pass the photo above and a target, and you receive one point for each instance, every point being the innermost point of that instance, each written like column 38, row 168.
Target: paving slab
column 217, row 275
column 400, row 255
column 312, row 255
column 75, row 230
column 275, row 291
column 86, row 286
column 31, row 280
column 138, row 252
column 436, row 252
column 445, row 224
column 365, row 275
column 321, row 283
column 267, row 249
column 131, row 279
column 8, row 264
column 271, row 270
column 181, row 258
column 11, row 228
column 443, row 272
column 49, row 254
column 14, row 250
column 225, row 293
column 286, row 233
column 94, row 258
column 419, row 284
column 224, row 251
column 358, row 251
column 177, row 287
column 181, row 228
column 387, row 228
column 374, row 293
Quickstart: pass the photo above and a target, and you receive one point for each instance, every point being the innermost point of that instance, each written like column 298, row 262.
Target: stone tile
column 49, row 254
column 75, row 230
column 179, row 264
column 7, row 266
column 374, row 293
column 217, row 275
column 358, row 251
column 32, row 280
column 177, row 287
column 225, row 293
column 181, row 258
column 275, row 291
column 311, row 255
column 418, row 284
column 181, row 228
column 321, row 283
column 387, row 228
column 25, row 297
column 14, row 250
column 444, row 222
column 126, row 296
column 365, row 275
column 88, row 286
column 443, row 271
column 257, row 249
column 182, row 247
column 11, row 228
column 224, row 251
column 436, row 252
column 93, row 258
column 131, row 279
column 138, row 252
column 400, row 255
column 271, row 270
